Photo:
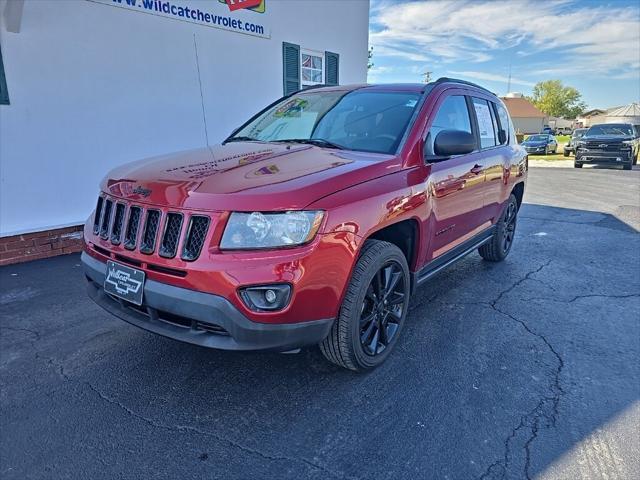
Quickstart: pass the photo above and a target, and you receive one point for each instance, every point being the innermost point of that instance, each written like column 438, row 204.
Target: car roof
column 402, row 87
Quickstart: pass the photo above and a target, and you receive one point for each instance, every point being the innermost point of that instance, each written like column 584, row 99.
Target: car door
column 496, row 154
column 455, row 185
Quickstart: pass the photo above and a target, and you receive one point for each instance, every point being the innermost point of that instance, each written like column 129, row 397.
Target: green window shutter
column 291, row 67
column 4, row 93
column 331, row 68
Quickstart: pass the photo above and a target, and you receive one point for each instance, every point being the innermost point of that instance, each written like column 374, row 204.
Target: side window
column 503, row 118
column 452, row 115
column 485, row 123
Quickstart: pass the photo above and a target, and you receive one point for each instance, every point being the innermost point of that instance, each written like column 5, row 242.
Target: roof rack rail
column 463, row 82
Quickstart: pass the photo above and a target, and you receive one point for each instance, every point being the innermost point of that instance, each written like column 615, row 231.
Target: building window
column 312, row 68
column 4, row 94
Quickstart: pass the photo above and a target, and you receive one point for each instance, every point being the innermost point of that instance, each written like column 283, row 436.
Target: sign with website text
column 241, row 16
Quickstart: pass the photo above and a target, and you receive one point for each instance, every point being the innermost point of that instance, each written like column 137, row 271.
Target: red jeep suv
column 312, row 223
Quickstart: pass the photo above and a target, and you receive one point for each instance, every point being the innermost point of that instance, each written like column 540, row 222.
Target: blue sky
column 593, row 46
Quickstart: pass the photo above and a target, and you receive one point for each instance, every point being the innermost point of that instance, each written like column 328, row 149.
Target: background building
column 92, row 84
column 526, row 117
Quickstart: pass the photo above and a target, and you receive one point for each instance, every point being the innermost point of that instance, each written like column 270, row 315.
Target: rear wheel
column 373, row 311
column 565, row 153
column 497, row 249
column 627, row 166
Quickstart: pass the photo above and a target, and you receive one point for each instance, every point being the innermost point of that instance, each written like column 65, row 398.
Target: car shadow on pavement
column 503, row 371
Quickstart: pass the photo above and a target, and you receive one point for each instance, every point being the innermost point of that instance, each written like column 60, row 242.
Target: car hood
column 246, row 176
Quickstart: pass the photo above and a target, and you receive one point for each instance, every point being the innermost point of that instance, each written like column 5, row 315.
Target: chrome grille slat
column 171, row 235
column 96, row 218
column 118, row 220
column 131, row 235
column 151, row 224
column 195, row 237
column 106, row 219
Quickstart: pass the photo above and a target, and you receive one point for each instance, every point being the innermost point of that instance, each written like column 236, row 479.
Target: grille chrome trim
column 106, row 219
column 171, row 235
column 133, row 224
column 151, row 224
column 97, row 216
column 195, row 237
column 118, row 221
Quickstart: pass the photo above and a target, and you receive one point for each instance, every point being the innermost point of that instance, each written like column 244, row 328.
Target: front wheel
column 577, row 165
column 373, row 310
column 565, row 153
column 497, row 249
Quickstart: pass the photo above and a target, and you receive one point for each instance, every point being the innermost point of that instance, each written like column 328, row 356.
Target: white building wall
column 528, row 125
column 93, row 86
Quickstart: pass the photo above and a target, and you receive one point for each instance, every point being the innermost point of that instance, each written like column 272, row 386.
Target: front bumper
column 614, row 158
column 200, row 318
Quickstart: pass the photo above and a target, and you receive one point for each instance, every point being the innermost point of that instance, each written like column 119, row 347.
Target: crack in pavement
column 547, row 407
column 26, row 330
column 219, row 438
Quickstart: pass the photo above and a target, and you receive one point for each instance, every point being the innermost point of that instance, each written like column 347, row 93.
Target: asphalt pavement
column 525, row 369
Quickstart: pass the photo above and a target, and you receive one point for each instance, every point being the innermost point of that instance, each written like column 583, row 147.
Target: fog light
column 270, row 296
column 266, row 297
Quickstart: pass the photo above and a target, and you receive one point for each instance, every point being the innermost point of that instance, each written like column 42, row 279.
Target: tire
column 627, row 166
column 577, row 165
column 354, row 343
column 497, row 249
column 565, row 153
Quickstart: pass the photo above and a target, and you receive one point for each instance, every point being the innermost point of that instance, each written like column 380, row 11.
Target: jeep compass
column 312, row 223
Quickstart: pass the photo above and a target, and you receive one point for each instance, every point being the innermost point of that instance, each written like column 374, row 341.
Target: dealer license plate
column 124, row 282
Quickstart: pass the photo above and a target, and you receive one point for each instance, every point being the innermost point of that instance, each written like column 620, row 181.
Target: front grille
column 131, row 234
column 118, row 220
column 150, row 232
column 96, row 218
column 608, row 147
column 106, row 219
column 196, row 234
column 171, row 236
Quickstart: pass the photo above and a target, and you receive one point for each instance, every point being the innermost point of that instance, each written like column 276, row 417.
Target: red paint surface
column 361, row 193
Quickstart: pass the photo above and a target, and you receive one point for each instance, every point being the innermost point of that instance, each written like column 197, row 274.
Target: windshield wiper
column 241, row 139
column 318, row 142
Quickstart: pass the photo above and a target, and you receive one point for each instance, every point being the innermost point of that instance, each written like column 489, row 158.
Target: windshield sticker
column 292, row 108
column 411, row 103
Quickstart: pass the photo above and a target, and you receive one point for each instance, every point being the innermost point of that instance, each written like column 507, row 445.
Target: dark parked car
column 609, row 143
column 577, row 134
column 542, row 144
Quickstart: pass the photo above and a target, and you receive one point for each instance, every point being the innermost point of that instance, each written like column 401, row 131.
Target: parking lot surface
column 524, row 369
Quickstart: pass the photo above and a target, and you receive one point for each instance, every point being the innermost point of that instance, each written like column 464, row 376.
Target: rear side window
column 503, row 118
column 486, row 125
column 453, row 114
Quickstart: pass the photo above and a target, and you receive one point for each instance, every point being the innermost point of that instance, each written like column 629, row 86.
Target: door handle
column 476, row 169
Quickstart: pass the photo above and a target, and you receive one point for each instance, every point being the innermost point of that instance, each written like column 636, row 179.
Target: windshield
column 538, row 138
column 356, row 120
column 617, row 130
column 579, row 133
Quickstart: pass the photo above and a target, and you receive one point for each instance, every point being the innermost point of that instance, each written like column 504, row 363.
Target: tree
column 557, row 100
column 426, row 77
column 369, row 62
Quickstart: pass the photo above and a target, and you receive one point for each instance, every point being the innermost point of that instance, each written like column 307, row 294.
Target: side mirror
column 454, row 142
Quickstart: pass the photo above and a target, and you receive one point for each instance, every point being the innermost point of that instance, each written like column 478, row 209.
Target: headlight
column 269, row 230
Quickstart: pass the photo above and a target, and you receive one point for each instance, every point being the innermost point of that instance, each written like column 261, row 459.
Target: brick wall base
column 33, row 246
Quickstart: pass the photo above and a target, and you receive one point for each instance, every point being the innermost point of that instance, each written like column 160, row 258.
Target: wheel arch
column 404, row 234
column 518, row 192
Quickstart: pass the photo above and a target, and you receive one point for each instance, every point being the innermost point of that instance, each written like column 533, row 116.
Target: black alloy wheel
column 382, row 309
column 509, row 228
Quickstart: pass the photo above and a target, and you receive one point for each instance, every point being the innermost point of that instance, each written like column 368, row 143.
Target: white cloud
column 602, row 40
column 492, row 77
